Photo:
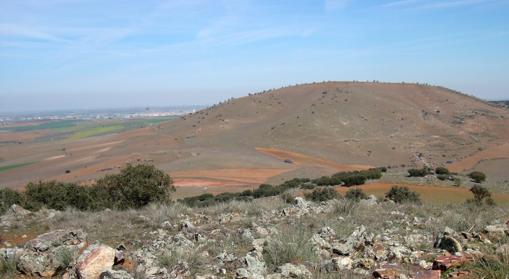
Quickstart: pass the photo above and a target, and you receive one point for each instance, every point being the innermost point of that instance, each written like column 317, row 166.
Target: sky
column 79, row 54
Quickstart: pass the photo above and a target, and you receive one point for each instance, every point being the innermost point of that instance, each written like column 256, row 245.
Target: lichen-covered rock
column 342, row 263
column 115, row 274
column 293, row 271
column 95, row 260
column 18, row 211
column 10, row 254
column 254, row 263
column 496, row 231
column 51, row 252
column 301, row 203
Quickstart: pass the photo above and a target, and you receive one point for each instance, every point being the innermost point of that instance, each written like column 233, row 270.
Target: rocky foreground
column 267, row 238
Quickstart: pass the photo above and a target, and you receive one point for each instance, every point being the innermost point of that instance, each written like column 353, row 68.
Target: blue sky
column 61, row 54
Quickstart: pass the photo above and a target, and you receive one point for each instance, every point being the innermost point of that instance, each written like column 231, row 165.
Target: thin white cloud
column 432, row 4
column 25, row 32
column 240, row 37
column 334, row 5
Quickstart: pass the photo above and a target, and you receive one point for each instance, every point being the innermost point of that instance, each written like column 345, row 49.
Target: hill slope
column 319, row 128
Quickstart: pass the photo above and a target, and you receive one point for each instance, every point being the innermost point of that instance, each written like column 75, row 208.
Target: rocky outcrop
column 401, row 246
column 51, row 252
column 293, row 271
column 94, row 261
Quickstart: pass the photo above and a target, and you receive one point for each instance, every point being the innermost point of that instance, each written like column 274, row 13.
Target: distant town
column 114, row 113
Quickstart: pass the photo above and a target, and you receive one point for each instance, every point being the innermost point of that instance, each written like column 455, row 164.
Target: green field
column 79, row 129
column 90, row 129
column 50, row 125
column 96, row 131
column 13, row 166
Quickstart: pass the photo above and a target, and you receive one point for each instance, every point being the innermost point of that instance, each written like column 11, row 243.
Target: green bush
column 322, row 194
column 134, row 187
column 402, row 195
column 266, row 190
column 293, row 183
column 308, row 185
column 137, row 186
column 354, row 180
column 56, row 195
column 9, row 197
column 418, row 172
column 355, row 194
column 327, row 181
column 441, row 171
column 443, row 177
column 200, row 201
column 477, row 176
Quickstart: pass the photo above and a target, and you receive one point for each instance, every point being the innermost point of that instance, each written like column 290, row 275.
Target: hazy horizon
column 78, row 54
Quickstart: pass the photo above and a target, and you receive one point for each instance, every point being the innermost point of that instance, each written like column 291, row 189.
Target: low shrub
column 266, row 190
column 308, row 185
column 490, row 267
column 443, row 177
column 200, row 201
column 9, row 197
column 7, row 267
column 441, row 171
column 56, row 195
column 477, row 176
column 402, row 195
column 292, row 245
column 134, row 187
column 482, row 196
column 327, row 181
column 418, row 172
column 355, row 195
column 322, row 194
column 349, row 178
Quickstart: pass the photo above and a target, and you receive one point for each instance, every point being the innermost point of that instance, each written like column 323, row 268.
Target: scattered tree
column 418, row 172
column 481, row 196
column 441, row 171
column 477, row 176
column 402, row 195
column 137, row 186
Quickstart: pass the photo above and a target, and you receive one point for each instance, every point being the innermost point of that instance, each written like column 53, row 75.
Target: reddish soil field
column 495, row 152
column 228, row 176
column 303, row 159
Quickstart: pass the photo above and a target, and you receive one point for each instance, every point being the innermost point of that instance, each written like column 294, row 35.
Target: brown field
column 302, row 159
column 494, row 152
column 225, row 176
